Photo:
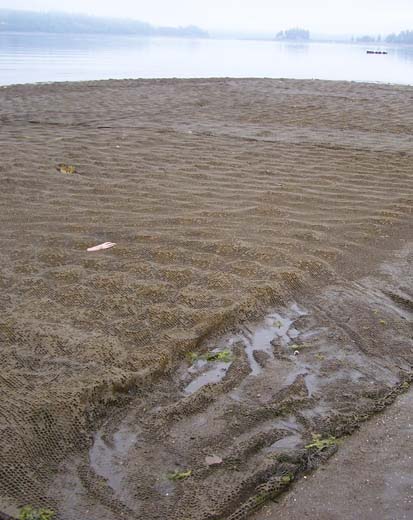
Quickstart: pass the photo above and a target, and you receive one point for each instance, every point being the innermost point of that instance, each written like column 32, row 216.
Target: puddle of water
column 292, row 440
column 289, row 423
column 106, row 456
column 274, row 327
column 311, row 334
column 213, row 375
column 319, row 411
column 297, row 310
column 260, row 338
column 165, row 488
column 312, row 382
column 209, row 371
column 286, row 443
column 300, row 370
column 254, row 338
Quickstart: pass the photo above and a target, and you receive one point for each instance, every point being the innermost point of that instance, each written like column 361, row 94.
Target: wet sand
column 370, row 477
column 268, row 219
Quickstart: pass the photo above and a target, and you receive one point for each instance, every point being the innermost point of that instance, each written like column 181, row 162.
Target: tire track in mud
column 319, row 367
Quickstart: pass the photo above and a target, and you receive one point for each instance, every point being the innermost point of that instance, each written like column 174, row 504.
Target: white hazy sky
column 320, row 16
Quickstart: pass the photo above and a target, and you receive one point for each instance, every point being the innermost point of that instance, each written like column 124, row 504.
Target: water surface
column 26, row 58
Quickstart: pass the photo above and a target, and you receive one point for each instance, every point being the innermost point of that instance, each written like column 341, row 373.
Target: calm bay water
column 26, row 58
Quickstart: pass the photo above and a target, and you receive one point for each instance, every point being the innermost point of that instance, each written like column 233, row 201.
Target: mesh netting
column 267, row 192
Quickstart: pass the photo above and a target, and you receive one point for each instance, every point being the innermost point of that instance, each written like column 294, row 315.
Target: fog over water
column 321, row 16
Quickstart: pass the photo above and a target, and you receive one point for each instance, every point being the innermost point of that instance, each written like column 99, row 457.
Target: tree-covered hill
column 402, row 37
column 55, row 22
column 294, row 34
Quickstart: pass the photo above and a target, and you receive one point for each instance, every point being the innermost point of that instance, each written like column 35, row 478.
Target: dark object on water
column 376, row 52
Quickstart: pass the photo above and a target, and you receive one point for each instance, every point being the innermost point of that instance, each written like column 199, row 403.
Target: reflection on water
column 58, row 57
column 404, row 52
column 296, row 48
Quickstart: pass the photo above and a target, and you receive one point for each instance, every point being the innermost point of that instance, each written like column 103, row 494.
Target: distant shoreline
column 66, row 23
column 219, row 38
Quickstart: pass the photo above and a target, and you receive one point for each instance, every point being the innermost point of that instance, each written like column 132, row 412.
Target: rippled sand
column 227, row 200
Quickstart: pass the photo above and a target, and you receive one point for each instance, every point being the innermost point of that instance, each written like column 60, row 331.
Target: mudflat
column 256, row 307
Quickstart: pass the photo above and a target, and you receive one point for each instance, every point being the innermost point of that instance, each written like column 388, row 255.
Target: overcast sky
column 320, row 16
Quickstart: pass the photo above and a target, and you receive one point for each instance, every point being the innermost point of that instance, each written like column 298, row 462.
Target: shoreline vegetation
column 71, row 23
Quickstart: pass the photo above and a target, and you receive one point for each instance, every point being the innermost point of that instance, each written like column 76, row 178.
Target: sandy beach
column 268, row 220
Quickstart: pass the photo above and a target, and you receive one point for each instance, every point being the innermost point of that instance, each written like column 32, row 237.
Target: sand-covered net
column 225, row 198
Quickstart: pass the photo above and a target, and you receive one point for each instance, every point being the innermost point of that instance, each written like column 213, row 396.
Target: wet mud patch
column 269, row 400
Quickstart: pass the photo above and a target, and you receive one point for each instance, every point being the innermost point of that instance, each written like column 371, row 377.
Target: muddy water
column 255, row 339
column 274, row 328
column 206, row 373
column 109, row 453
column 276, row 336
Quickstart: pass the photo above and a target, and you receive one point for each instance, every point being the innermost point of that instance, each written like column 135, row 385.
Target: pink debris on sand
column 213, row 460
column 105, row 245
